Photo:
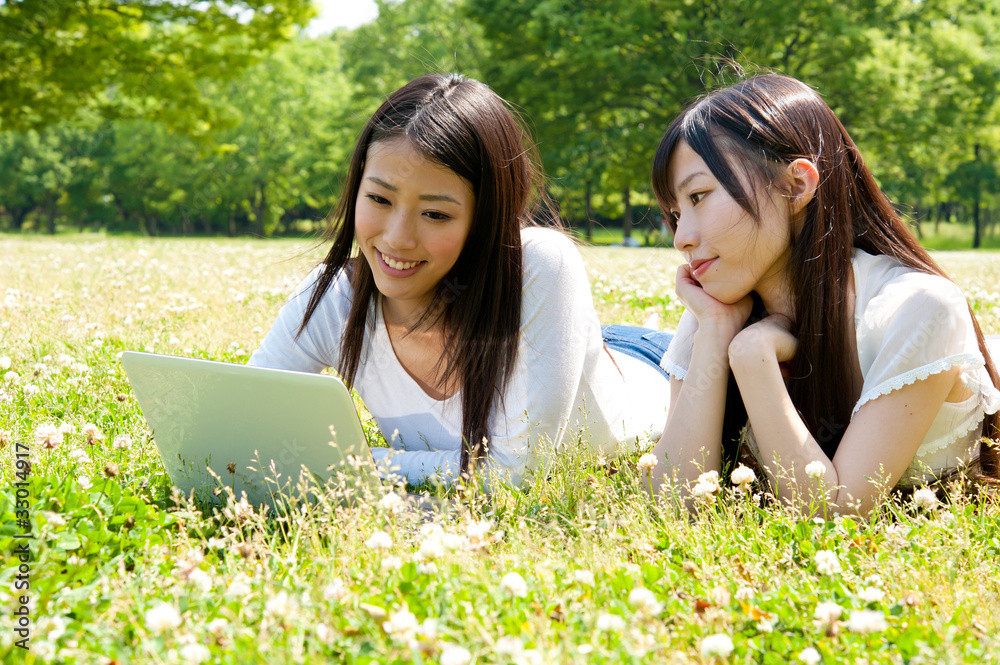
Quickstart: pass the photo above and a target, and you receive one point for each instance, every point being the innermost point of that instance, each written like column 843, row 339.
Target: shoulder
column 544, row 247
column 887, row 291
column 551, row 262
column 335, row 299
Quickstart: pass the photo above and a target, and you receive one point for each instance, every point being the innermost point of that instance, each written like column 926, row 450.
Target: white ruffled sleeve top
column 909, row 325
column 566, row 387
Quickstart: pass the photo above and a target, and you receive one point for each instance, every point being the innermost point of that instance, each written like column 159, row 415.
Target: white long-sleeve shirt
column 565, row 382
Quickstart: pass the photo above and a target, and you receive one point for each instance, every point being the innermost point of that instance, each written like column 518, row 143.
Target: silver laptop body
column 256, row 428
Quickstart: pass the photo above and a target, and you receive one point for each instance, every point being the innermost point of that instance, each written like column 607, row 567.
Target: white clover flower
column 324, row 633
column 217, row 626
column 194, row 653
column 336, row 590
column 391, row 563
column 379, row 540
column 452, row 654
column 644, row 601
column 509, row 647
column 216, row 543
column 871, row 594
column 816, row 470
column 239, row 587
column 874, row 580
column 514, row 584
column 161, row 618
column 610, row 623
column 401, row 624
column 828, row 612
column 43, row 650
column 454, row 542
column 867, row 621
column 745, row 593
column 85, row 482
column 583, row 577
column 92, row 432
column 280, row 605
column 4, row 363
column 742, row 476
column 200, row 580
column 479, row 530
column 79, row 456
column 392, row 503
column 719, row 645
column 66, row 428
column 55, row 519
column 926, row 499
column 827, row 562
column 427, row 568
column 11, row 377
column 433, row 544
column 123, row 442
column 31, row 390
column 428, row 629
column 48, row 435
column 647, row 462
column 51, row 627
column 810, row 656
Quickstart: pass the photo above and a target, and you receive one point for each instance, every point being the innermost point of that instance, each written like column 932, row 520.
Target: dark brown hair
column 756, row 127
column 464, row 126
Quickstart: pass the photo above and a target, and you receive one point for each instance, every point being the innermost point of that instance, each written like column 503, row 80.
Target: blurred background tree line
column 220, row 118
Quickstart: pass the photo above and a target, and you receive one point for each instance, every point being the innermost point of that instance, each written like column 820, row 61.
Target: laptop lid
column 240, row 420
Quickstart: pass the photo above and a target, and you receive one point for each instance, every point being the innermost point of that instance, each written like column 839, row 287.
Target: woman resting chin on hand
column 813, row 317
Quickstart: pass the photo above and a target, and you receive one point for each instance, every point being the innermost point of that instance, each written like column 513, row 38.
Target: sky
column 341, row 13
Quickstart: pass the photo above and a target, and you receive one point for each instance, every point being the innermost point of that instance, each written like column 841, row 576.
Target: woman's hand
column 711, row 313
column 769, row 338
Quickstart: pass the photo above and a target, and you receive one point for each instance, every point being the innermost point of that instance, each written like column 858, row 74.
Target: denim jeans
column 644, row 344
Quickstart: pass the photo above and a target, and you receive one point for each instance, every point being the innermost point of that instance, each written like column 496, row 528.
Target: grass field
column 579, row 567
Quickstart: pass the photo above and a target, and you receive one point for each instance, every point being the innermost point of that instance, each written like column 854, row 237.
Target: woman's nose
column 400, row 231
column 685, row 237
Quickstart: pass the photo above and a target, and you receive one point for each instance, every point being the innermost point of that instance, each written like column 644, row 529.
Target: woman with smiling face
column 813, row 317
column 468, row 332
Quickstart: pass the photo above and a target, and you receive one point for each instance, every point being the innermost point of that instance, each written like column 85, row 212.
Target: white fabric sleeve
column 559, row 333
column 677, row 359
column 916, row 326
column 318, row 347
column 417, row 465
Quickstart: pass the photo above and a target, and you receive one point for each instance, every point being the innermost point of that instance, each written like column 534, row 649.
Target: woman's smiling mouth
column 397, row 267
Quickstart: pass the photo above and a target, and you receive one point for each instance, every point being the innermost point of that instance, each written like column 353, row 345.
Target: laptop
column 255, row 428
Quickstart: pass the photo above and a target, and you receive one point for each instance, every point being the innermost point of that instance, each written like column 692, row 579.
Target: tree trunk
column 627, row 218
column 50, row 219
column 232, row 223
column 977, row 239
column 260, row 210
column 17, row 216
column 590, row 212
column 916, row 222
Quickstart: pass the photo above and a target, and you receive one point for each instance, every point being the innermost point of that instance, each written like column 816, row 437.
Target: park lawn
column 577, row 567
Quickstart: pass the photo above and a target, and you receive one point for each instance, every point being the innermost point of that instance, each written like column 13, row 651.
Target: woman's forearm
column 692, row 440
column 786, row 446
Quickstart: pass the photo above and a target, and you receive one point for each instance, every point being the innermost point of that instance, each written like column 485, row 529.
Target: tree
column 130, row 59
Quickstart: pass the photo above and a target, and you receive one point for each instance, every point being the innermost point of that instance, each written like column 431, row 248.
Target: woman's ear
column 802, row 179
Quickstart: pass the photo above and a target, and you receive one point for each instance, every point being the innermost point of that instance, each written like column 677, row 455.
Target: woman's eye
column 674, row 215
column 697, row 197
column 375, row 198
column 437, row 216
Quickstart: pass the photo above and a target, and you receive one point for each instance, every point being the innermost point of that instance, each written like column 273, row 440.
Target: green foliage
column 128, row 59
column 212, row 118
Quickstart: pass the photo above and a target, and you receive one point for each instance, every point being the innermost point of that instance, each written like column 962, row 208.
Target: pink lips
column 395, row 272
column 700, row 267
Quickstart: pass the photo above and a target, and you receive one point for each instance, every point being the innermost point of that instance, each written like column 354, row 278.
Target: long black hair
column 755, row 128
column 464, row 126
